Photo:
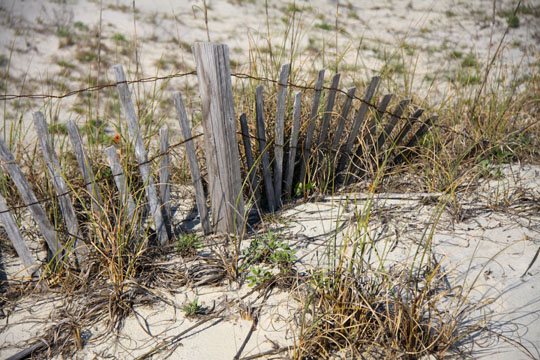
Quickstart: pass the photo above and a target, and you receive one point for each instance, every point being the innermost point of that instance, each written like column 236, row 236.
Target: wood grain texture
column 397, row 112
column 366, row 145
column 219, row 123
column 329, row 109
column 59, row 184
column 280, row 131
column 263, row 149
column 120, row 180
column 30, row 200
column 312, row 122
column 407, row 127
column 297, row 111
column 165, row 176
column 252, row 169
column 16, row 238
column 343, row 118
column 84, row 163
column 200, row 197
column 405, row 153
column 140, row 154
column 358, row 121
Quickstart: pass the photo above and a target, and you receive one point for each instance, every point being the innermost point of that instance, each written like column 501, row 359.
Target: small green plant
column 193, row 308
column 469, row 61
column 324, row 26
column 300, row 189
column 258, row 276
column 269, row 249
column 58, row 128
column 79, row 25
column 62, row 32
column 512, row 20
column 119, row 38
column 488, row 171
column 187, row 244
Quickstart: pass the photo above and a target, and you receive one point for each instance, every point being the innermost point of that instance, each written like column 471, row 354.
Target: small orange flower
column 116, row 138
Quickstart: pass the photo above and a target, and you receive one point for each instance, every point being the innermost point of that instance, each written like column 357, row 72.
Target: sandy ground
column 492, row 232
column 425, row 46
column 486, row 241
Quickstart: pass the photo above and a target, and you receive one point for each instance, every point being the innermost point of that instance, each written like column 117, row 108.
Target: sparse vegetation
column 354, row 299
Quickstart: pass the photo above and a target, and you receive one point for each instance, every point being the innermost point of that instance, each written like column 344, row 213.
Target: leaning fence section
column 277, row 158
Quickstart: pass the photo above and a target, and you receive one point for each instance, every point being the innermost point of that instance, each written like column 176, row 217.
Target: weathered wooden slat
column 60, row 186
column 263, row 149
column 343, row 118
column 140, row 153
column 398, row 111
column 30, row 200
column 219, row 123
column 279, row 131
column 426, row 125
column 360, row 115
column 121, row 182
column 366, row 144
column 329, row 109
column 252, row 170
column 407, row 127
column 84, row 163
column 16, row 238
column 312, row 121
column 164, row 177
column 200, row 197
column 297, row 111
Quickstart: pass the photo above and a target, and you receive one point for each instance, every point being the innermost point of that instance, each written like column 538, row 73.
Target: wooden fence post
column 328, row 110
column 140, row 154
column 293, row 143
column 312, row 121
column 164, row 177
column 16, row 239
column 200, row 197
column 346, row 157
column 30, row 200
column 219, row 123
column 60, row 186
column 263, row 150
column 120, row 180
column 279, row 132
column 252, row 169
column 84, row 164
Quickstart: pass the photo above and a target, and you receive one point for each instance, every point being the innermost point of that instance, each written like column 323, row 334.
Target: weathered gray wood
column 297, row 111
column 60, row 186
column 140, row 153
column 360, row 115
column 252, row 170
column 312, row 121
column 200, row 197
column 365, row 145
column 120, row 180
column 343, row 118
column 15, row 236
column 84, row 163
column 407, row 127
column 398, row 111
column 279, row 131
column 30, row 200
column 428, row 123
column 219, row 123
column 263, row 149
column 164, row 175
column 29, row 351
column 329, row 109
